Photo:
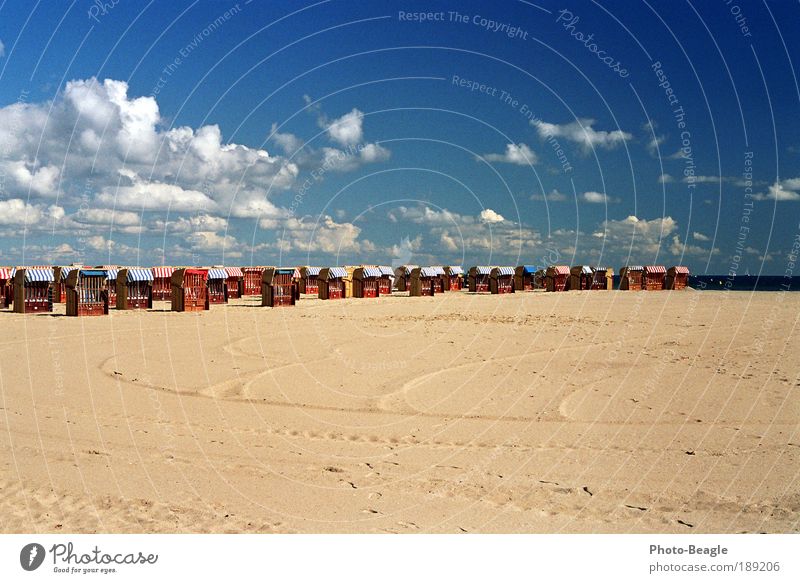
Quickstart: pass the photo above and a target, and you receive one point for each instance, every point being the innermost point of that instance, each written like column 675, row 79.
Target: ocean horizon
column 744, row 283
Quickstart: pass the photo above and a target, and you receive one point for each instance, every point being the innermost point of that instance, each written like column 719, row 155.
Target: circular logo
column 31, row 556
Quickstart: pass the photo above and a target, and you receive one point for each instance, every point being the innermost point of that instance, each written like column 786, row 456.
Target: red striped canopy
column 655, row 269
column 5, row 273
column 163, row 271
column 681, row 269
column 561, row 269
column 234, row 271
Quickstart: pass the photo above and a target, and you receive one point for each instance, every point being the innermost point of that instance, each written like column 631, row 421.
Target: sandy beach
column 536, row 412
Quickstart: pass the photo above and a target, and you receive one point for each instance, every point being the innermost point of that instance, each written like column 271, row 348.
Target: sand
column 569, row 412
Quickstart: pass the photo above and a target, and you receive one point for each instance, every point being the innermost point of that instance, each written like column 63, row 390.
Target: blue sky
column 346, row 132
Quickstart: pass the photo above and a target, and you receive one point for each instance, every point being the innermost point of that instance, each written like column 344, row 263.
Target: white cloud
column 346, row 132
column 700, row 236
column 581, row 132
column 786, row 190
column 448, row 242
column 680, row 248
column 374, row 153
column 403, row 252
column 644, row 238
column 289, row 143
column 450, row 235
column 336, row 160
column 653, row 140
column 43, row 254
column 491, row 217
column 701, row 179
column 211, row 242
column 665, row 179
column 193, row 224
column 348, row 129
column 424, row 215
column 15, row 212
column 553, row 196
column 506, row 241
column 120, row 136
column 2, row 50
column 654, row 144
column 155, row 196
column 252, row 207
column 99, row 243
column 42, row 181
column 100, row 216
column 594, row 197
column 679, row 155
column 519, row 154
column 323, row 236
column 64, row 249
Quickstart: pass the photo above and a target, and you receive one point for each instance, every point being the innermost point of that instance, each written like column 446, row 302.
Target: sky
column 444, row 133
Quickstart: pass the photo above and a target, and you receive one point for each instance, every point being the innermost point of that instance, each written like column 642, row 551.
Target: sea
column 745, row 282
column 739, row 282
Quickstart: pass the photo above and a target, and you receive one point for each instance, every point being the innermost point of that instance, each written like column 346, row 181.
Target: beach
column 575, row 412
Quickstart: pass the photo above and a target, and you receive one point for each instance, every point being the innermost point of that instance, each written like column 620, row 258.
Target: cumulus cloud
column 403, row 252
column 519, row 154
column 289, row 143
column 504, row 240
column 155, row 196
column 107, row 217
column 15, row 212
column 41, row 180
column 581, row 132
column 211, row 242
column 374, row 153
column 700, row 236
column 346, row 130
column 424, row 215
column 348, row 153
column 680, row 248
column 42, row 254
column 449, row 235
column 786, row 190
column 448, row 242
column 336, row 160
column 491, row 217
column 594, row 197
column 99, row 243
column 643, row 237
column 121, row 151
column 195, row 223
column 323, row 236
